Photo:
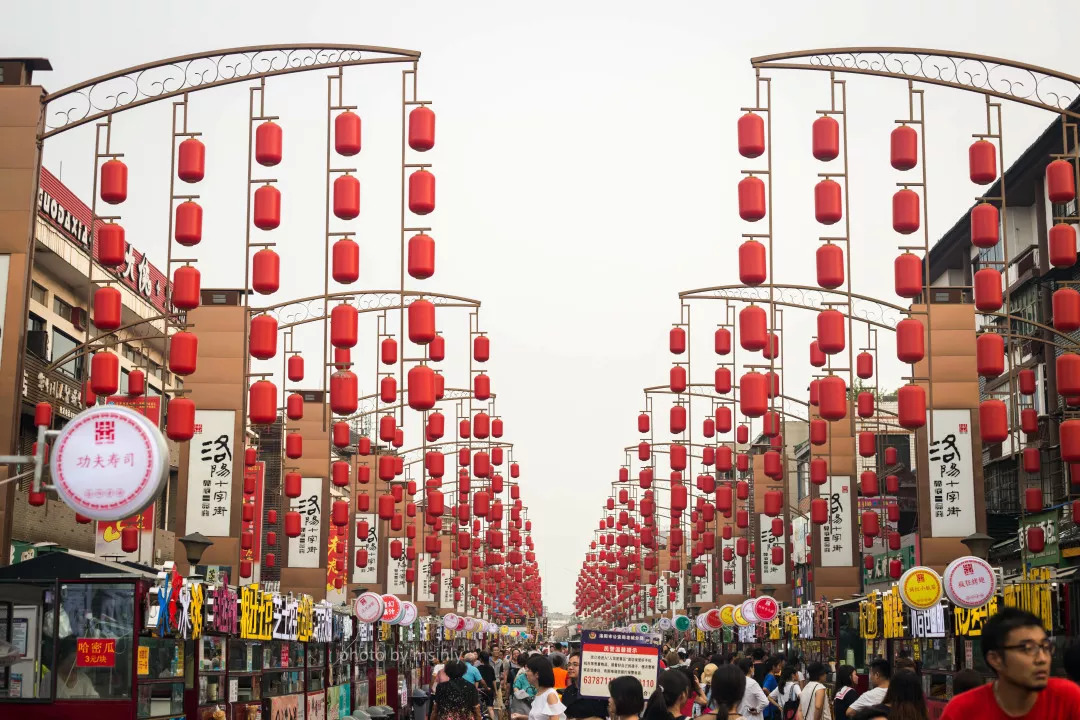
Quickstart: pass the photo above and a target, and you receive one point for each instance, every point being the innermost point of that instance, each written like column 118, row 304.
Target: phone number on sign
column 604, row 680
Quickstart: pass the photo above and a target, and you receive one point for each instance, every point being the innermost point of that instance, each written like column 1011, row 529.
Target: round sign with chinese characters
column 368, row 607
column 970, row 582
column 681, row 623
column 920, row 588
column 450, row 621
column 727, row 615
column 766, row 609
column 392, row 609
column 409, row 613
column 109, row 463
column 747, row 609
column 738, row 616
column 713, row 619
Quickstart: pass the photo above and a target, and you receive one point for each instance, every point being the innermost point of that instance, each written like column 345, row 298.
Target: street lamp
column 978, row 544
column 195, row 544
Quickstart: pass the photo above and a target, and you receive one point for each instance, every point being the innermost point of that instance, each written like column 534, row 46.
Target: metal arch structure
column 997, row 77
column 304, row 310
column 139, row 85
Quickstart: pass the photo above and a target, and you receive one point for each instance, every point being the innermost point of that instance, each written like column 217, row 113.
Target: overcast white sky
column 586, row 169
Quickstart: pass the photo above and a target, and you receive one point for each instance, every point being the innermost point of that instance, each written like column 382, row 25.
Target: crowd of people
column 542, row 684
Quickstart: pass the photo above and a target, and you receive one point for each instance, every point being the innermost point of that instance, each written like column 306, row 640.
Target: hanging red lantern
column 482, row 387
column 817, row 358
column 905, row 211
column 180, row 419
column 421, row 322
column 340, row 433
column 751, row 198
column 262, row 337
column 774, row 502
column 721, row 380
column 108, row 308
column 830, row 266
column 421, row 387
column 982, row 162
column 1069, row 432
column 104, row 373
column 437, row 348
column 910, row 341
column 752, row 263
column 677, row 419
column 989, row 354
column 1032, row 464
column 830, row 331
column 1061, row 244
column 347, row 133
column 112, row 247
column 191, row 160
column 346, row 261
column 265, row 271
column 343, row 392
column 832, row 398
column 819, row 511
column 344, row 319
column 751, row 129
column 294, row 445
column 722, row 341
column 828, row 202
column 826, row 138
column 183, row 353
column 753, row 333
column 993, row 421
column 868, row 482
column 421, row 192
column 867, row 444
column 1068, row 374
column 907, row 275
column 187, row 230
column 186, row 288
column 677, row 379
column 267, row 210
column 268, row 143
column 892, row 482
column 421, row 256
column 864, row 365
column 723, row 419
column 1060, row 182
column 136, row 383
column 1066, row 308
column 292, row 525
column 114, row 176
column 865, row 402
column 262, row 402
column 911, row 406
column 818, row 432
column 481, row 348
column 987, row 284
column 1036, row 539
column 677, row 341
column 984, row 225
column 422, row 128
column 904, row 147
column 753, row 394
column 870, row 524
column 129, row 538
column 1029, row 421
column 1025, row 380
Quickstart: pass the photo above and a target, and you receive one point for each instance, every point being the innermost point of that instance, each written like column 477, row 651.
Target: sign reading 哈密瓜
column 608, row 655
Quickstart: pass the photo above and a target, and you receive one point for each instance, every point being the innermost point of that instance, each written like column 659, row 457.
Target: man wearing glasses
column 1016, row 647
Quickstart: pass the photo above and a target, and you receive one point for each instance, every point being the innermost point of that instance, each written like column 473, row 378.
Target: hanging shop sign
column 1034, row 594
column 55, row 388
column 968, row 622
column 929, row 623
column 799, row 538
column 740, row 619
column 705, row 582
column 368, row 607
column 254, row 475
column 771, row 573
column 109, row 463
column 681, row 623
column 176, row 607
column 952, row 484
column 747, row 609
column 766, row 609
column 221, row 615
column 892, row 614
column 392, row 609
column 970, row 582
column 836, row 532
column 608, row 655
column 869, row 625
column 210, row 473
column 304, row 548
column 397, row 577
column 806, row 620
column 446, row 590
column 409, row 613
column 1049, row 522
column 920, row 588
column 324, row 622
column 369, row 574
column 257, row 613
column 426, row 577
column 822, row 620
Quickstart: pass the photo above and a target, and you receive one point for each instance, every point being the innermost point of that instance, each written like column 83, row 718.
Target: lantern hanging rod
column 911, row 184
column 754, row 172
column 109, row 218
column 185, row 197
column 255, row 181
column 264, row 244
column 344, row 107
column 342, row 170
column 417, row 229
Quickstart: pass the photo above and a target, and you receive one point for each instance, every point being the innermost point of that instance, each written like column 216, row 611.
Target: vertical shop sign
column 369, row 574
column 952, row 484
column 423, row 586
column 210, row 469
column 732, row 569
column 705, row 583
column 396, row 581
column 446, row 588
column 304, row 548
column 928, row 623
column 770, row 571
column 836, row 532
column 256, row 474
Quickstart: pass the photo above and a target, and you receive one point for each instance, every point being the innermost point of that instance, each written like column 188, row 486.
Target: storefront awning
column 73, row 565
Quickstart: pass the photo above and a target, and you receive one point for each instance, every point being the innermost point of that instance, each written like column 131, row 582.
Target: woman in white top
column 814, row 700
column 546, row 705
column 787, row 688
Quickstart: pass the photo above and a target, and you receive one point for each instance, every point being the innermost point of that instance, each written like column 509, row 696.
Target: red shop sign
column 96, row 652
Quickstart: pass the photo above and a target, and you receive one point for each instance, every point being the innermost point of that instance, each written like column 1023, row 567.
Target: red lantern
column 818, row 432
column 1069, row 432
column 868, row 482
column 422, row 128
column 830, row 331
column 1026, row 381
column 817, row 358
column 1029, row 421
column 753, row 394
column 870, row 525
column 819, row 511
column 677, row 379
column 437, row 348
column 1061, row 244
column 345, row 261
column 1036, row 539
column 482, row 387
column 828, row 202
column 180, row 419
column 421, row 192
column 186, row 288
column 107, row 308
column 191, row 160
column 183, row 353
column 751, row 135
column 421, row 256
column 867, row 444
column 104, row 373
column 268, row 144
column 984, row 225
column 187, row 230
column 721, row 381
column 989, row 354
column 339, row 431
column 911, row 406
column 262, row 402
column 832, row 398
column 905, row 211
column 421, row 322
column 982, row 162
column 129, row 538
column 993, row 421
column 907, row 275
column 751, row 198
column 343, row 392
column 910, row 341
column 347, row 133
column 265, row 271
column 904, row 147
column 864, row 365
column 112, row 247
column 753, row 334
column 826, row 138
column 481, row 348
column 292, row 525
column 1068, row 374
column 1032, row 463
column 677, row 341
column 343, row 325
column 1060, row 181
column 722, row 341
column 114, row 175
column 1066, row 307
column 830, row 266
column 267, row 211
column 752, row 263
column 677, row 419
column 294, row 445
column 421, row 387
column 987, row 284
column 262, row 337
column 774, row 502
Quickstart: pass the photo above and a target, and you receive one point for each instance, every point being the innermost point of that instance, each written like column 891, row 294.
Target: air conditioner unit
column 78, row 318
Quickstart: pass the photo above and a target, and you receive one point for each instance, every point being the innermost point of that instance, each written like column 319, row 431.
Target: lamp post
column 195, row 544
column 978, row 544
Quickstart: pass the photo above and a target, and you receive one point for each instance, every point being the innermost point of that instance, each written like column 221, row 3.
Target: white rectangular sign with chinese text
column 771, row 573
column 369, row 574
column 730, row 569
column 836, row 533
column 210, row 473
column 423, row 587
column 446, row 586
column 305, row 549
column 951, row 474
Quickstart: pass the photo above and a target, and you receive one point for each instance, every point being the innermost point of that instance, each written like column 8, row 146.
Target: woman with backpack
column 814, row 700
column 786, row 694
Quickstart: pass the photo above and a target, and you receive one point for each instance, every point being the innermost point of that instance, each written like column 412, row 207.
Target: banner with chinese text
column 210, row 470
column 951, row 474
column 836, row 533
column 304, row 549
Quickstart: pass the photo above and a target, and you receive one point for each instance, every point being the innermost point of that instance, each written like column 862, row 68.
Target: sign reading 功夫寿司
column 606, row 655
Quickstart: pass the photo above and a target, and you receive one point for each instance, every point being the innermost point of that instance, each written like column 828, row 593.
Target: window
column 123, row 381
column 62, row 343
column 62, row 309
column 98, row 621
column 26, row 612
column 130, row 354
column 37, row 324
column 39, row 294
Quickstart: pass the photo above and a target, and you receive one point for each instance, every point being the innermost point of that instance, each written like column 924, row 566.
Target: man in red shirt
column 1015, row 645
